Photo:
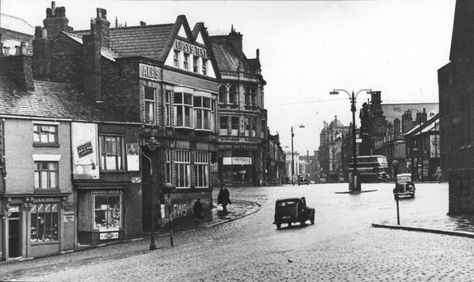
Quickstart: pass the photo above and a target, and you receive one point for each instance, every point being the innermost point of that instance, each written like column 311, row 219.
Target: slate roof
column 227, row 58
column 54, row 100
column 16, row 24
column 146, row 41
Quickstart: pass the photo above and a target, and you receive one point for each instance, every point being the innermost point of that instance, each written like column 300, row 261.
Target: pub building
column 163, row 77
column 242, row 114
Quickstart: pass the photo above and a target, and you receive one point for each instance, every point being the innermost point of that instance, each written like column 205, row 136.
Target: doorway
column 14, row 239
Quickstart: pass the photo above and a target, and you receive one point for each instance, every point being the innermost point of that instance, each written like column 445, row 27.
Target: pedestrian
column 197, row 209
column 223, row 198
column 438, row 174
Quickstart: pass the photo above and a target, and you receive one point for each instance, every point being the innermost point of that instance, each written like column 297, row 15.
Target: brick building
column 275, row 161
column 331, row 150
column 242, row 113
column 455, row 81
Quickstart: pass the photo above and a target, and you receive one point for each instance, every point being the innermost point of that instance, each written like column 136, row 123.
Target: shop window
column 235, row 126
column 182, row 109
column 202, row 113
column 176, row 58
column 223, row 127
column 108, row 210
column 150, row 105
column 45, row 134
column 111, row 153
column 44, row 223
column 201, row 169
column 186, row 61
column 204, row 66
column 183, row 167
column 233, row 95
column 46, row 175
column 222, row 94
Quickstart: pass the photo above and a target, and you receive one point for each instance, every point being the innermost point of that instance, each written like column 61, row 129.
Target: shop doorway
column 14, row 239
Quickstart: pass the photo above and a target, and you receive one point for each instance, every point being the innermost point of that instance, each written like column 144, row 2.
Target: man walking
column 223, row 198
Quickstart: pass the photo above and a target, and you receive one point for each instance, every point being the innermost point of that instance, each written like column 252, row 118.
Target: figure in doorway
column 438, row 175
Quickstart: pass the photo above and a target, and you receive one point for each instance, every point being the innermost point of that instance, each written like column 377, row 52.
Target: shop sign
column 237, row 161
column 136, row 180
column 150, row 72
column 68, row 218
column 84, row 149
column 108, row 236
column 189, row 48
column 68, row 206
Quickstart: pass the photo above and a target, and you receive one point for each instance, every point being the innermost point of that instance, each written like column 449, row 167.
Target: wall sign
column 85, row 155
column 236, row 161
column 150, row 72
column 133, row 158
column 109, row 236
column 189, row 48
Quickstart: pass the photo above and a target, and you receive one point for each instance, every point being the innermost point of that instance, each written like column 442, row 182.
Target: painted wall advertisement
column 85, row 154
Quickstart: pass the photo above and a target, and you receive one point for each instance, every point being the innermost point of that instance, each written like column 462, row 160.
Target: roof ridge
column 18, row 18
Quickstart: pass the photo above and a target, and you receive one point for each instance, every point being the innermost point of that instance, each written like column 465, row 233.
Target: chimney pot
column 142, row 23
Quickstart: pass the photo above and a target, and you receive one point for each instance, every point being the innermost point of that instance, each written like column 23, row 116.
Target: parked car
column 291, row 210
column 404, row 186
column 303, row 179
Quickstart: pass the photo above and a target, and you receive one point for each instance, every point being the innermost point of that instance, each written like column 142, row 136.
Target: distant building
column 275, row 161
column 456, row 81
column 330, row 150
column 242, row 115
column 13, row 31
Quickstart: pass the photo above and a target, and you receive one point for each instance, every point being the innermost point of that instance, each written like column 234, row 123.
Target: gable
column 199, row 39
column 182, row 32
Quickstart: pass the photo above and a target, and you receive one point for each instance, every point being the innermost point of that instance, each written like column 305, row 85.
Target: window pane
column 37, row 181
column 44, row 179
column 178, row 98
column 44, row 138
column 36, row 137
column 110, row 163
column 53, row 176
column 197, row 101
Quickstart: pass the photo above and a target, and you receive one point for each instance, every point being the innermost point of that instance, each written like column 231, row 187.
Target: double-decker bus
column 372, row 168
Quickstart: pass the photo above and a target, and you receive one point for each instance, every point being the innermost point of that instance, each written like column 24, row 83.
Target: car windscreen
column 286, row 203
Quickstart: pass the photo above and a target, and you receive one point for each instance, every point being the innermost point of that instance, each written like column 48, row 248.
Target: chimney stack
column 92, row 44
column 41, row 54
column 18, row 68
column 56, row 21
column 235, row 38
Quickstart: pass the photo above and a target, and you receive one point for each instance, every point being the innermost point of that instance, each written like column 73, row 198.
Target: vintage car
column 303, row 179
column 292, row 210
column 404, row 186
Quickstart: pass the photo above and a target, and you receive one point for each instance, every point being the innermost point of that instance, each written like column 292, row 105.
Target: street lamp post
column 395, row 164
column 354, row 185
column 293, row 154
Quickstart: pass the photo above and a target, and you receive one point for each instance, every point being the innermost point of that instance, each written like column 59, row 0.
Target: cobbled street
column 340, row 246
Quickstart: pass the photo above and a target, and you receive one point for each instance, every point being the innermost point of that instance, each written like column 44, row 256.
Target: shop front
column 101, row 215
column 37, row 225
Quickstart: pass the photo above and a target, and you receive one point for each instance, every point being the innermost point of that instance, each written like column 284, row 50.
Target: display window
column 108, row 210
column 44, row 223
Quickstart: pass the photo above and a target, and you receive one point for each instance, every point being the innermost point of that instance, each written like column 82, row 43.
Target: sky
column 307, row 48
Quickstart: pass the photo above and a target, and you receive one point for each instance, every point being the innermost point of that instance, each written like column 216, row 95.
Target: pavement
column 238, row 209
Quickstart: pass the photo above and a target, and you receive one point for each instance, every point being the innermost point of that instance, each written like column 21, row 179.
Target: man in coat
column 223, row 198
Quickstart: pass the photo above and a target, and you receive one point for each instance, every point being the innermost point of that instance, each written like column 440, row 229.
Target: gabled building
column 14, row 31
column 162, row 76
column 242, row 113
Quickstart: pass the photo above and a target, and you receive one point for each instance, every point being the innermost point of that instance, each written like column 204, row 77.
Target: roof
column 227, row 57
column 105, row 52
column 336, row 123
column 16, row 24
column 53, row 100
column 424, row 127
column 137, row 41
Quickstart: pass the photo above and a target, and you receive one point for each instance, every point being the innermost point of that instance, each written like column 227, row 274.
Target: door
column 14, row 240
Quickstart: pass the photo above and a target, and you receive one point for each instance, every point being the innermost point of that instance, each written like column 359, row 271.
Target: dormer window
column 195, row 64
column 204, row 66
column 176, row 58
column 186, row 61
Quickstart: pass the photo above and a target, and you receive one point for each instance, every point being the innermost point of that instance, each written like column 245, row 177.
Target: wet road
column 340, row 246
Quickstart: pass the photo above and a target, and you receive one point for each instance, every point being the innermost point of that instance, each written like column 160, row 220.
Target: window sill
column 53, row 145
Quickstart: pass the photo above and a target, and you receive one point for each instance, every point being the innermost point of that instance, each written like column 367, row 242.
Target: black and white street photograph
column 253, row 140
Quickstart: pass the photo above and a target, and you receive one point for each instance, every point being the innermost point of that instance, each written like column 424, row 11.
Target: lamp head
column 334, row 92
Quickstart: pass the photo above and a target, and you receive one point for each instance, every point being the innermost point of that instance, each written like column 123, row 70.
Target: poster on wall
column 133, row 160
column 85, row 155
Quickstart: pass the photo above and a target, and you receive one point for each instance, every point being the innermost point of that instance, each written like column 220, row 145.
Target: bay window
column 202, row 113
column 182, row 109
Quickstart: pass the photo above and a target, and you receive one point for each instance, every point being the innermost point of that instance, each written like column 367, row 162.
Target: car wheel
column 312, row 218
column 289, row 224
column 303, row 222
column 278, row 225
